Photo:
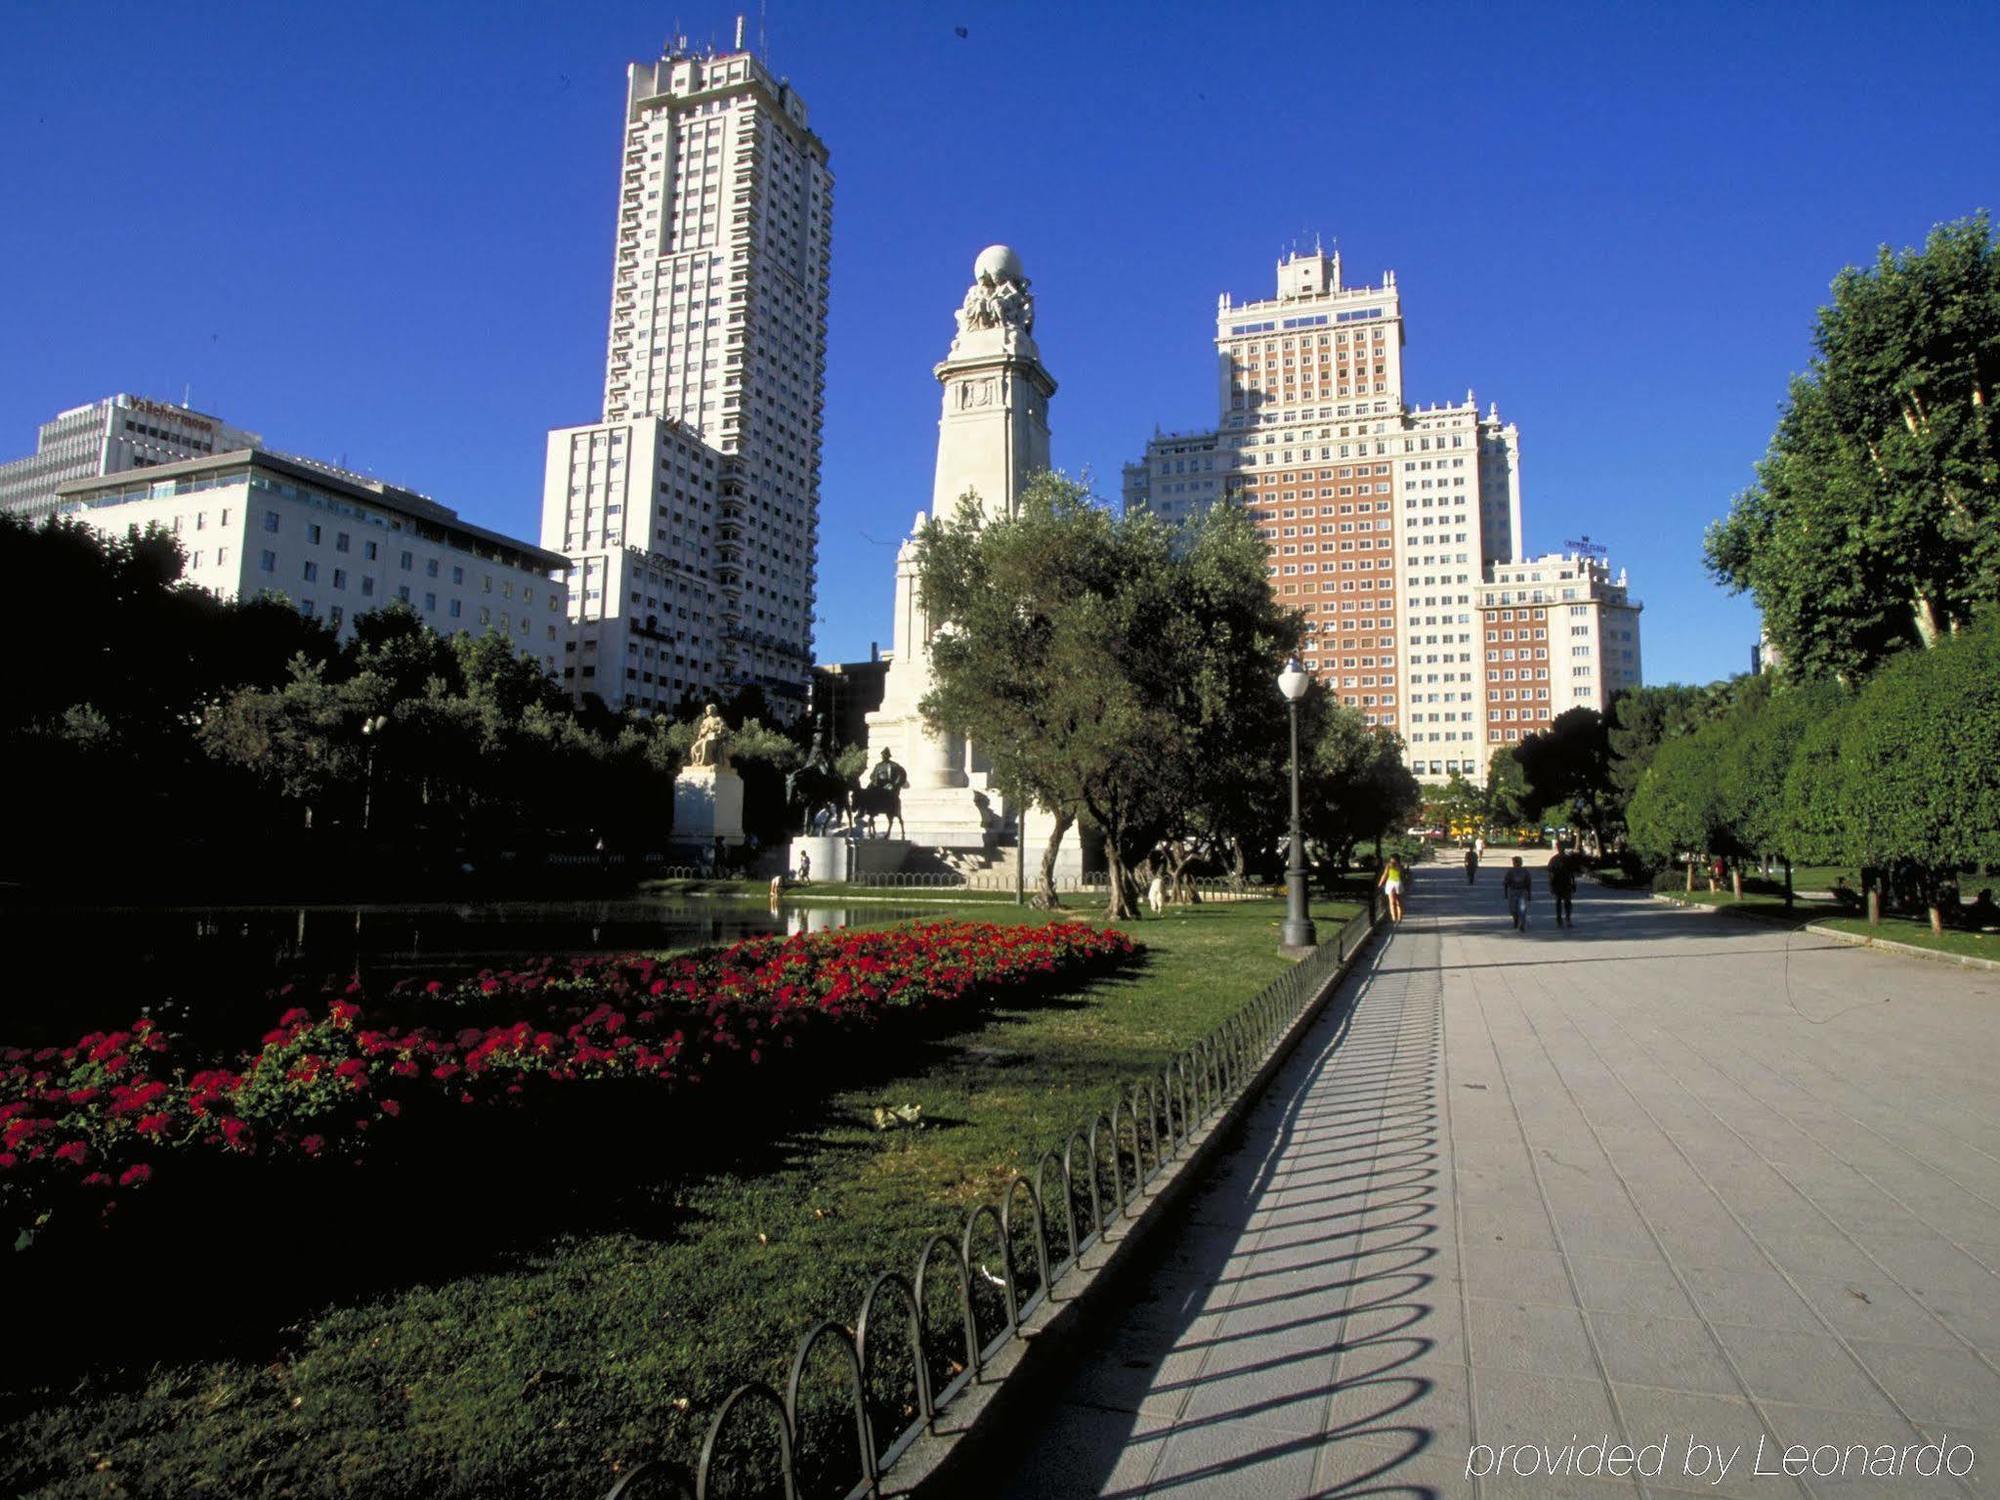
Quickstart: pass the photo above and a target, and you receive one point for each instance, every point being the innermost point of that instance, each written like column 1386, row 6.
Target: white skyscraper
column 692, row 509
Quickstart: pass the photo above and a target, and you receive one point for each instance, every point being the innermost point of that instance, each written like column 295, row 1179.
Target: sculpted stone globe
column 997, row 263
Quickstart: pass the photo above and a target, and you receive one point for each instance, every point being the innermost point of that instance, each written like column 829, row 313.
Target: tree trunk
column 1179, row 857
column 1937, row 918
column 1046, row 898
column 1928, row 628
column 1121, row 900
column 1237, row 873
column 1736, row 881
column 1875, row 904
column 1690, row 888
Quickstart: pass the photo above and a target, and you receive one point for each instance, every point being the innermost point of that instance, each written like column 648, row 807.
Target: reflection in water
column 210, row 966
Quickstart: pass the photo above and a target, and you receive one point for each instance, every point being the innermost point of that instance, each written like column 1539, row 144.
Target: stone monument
column 708, row 794
column 993, row 437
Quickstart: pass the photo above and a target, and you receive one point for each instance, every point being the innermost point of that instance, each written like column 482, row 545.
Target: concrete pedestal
column 708, row 805
column 842, row 857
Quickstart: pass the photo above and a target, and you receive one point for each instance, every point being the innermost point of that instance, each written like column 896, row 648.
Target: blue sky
column 383, row 232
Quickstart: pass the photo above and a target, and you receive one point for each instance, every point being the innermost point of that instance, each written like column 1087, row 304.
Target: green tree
column 1356, row 786
column 1643, row 719
column 1874, row 524
column 1568, row 766
column 1107, row 667
column 1916, row 775
column 1507, row 798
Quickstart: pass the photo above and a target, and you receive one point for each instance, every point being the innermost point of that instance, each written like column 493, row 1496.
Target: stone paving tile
column 1804, row 1369
column 1665, row 1179
column 1678, row 1353
column 1710, row 1442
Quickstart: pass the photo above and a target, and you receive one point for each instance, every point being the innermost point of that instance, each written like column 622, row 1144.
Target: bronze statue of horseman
column 821, row 793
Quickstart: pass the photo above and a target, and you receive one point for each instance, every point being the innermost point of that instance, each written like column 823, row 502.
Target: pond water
column 210, row 969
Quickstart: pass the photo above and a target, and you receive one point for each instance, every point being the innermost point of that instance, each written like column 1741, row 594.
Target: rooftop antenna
column 739, row 33
column 763, row 31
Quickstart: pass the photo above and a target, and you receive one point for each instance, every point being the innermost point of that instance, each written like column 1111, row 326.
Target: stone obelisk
column 992, row 439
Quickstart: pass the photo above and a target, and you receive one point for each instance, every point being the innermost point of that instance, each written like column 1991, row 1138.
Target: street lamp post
column 371, row 731
column 1297, row 930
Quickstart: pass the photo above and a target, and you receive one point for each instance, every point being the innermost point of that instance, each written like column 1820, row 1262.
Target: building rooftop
column 142, row 484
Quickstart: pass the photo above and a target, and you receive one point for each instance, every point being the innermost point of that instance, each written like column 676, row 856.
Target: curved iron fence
column 1077, row 1192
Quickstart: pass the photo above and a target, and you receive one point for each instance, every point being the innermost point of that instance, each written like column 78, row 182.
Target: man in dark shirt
column 1562, row 886
column 1517, row 888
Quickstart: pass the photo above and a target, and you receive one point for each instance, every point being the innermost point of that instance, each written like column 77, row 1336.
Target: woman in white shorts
column 1391, row 881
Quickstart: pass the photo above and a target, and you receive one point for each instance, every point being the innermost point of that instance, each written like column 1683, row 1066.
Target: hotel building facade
column 112, row 436
column 691, row 510
column 335, row 545
column 1384, row 521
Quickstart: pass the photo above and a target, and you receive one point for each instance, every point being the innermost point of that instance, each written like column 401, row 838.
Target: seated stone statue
column 711, row 744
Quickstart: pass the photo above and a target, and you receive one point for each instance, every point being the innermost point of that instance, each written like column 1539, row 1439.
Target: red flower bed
column 118, row 1111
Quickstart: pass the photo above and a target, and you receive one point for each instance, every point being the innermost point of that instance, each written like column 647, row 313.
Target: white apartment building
column 699, row 489
column 335, row 545
column 1560, row 633
column 112, row 436
column 1179, row 478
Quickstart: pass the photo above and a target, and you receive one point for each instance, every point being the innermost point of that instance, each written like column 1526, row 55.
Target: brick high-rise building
column 1384, row 520
column 692, row 509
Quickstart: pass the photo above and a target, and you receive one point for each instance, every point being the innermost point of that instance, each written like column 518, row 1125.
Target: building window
column 455, row 610
column 311, row 573
column 430, row 604
column 342, row 541
column 367, row 586
column 430, row 567
column 370, row 551
column 340, row 578
column 312, row 532
column 409, row 561
column 268, row 562
column 270, row 520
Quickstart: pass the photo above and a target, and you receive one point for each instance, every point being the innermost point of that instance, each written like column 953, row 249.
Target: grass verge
column 533, row 1368
column 1914, row 932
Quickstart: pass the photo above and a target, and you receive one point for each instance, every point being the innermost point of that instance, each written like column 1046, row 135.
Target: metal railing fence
column 1077, row 1192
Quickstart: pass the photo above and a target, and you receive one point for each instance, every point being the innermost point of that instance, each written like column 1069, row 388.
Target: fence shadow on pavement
column 1287, row 1339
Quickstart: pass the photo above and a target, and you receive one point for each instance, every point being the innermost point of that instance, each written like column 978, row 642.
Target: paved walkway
column 1664, row 1176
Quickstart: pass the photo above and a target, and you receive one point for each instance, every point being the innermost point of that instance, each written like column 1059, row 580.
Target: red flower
column 312, row 1145
column 72, row 1152
column 134, row 1175
column 391, row 1108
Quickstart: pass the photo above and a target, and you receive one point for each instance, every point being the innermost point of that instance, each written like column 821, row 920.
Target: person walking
column 1391, row 881
column 1562, row 886
column 1471, row 863
column 1518, row 889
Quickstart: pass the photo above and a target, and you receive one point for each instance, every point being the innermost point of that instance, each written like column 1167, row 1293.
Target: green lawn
column 531, row 1370
column 1893, row 929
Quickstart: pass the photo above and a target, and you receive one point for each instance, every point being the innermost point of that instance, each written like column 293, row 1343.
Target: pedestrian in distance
column 1516, row 886
column 1471, row 864
column 1391, row 881
column 805, row 868
column 1562, row 886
